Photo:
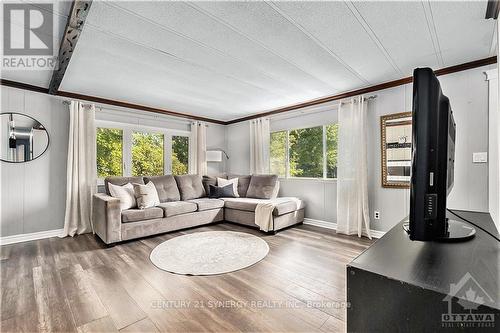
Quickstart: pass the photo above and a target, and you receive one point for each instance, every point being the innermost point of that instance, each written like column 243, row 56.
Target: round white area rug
column 209, row 252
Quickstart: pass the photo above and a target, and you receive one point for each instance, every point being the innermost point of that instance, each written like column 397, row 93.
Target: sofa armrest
column 106, row 217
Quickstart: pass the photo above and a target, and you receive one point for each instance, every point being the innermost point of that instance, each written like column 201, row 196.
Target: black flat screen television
column 433, row 159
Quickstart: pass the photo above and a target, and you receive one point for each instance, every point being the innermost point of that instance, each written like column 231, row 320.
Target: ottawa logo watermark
column 464, row 305
column 28, row 36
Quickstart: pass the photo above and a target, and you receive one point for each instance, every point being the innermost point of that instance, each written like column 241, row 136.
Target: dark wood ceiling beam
column 370, row 89
column 74, row 26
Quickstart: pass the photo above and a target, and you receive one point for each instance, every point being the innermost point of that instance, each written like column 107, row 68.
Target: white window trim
column 287, row 155
column 127, row 130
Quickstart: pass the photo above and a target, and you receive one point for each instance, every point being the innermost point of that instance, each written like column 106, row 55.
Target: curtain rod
column 315, row 109
column 364, row 99
column 167, row 118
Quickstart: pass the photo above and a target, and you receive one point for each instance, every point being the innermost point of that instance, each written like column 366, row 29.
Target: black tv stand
column 399, row 285
column 457, row 231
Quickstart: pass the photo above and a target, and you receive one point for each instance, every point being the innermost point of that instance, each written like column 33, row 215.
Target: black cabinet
column 398, row 285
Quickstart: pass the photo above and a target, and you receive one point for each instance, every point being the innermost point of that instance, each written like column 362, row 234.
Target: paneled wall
column 33, row 194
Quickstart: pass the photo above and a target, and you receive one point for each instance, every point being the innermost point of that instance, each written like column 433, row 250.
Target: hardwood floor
column 79, row 284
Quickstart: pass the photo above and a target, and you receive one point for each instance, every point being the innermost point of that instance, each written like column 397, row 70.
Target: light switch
column 481, row 157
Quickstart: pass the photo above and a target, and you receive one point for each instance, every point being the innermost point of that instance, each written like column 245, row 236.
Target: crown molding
column 370, row 89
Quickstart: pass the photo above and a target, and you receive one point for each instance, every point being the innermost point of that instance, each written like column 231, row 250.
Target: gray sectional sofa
column 184, row 204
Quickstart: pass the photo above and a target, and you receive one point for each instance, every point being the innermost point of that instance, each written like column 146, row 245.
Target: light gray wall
column 216, row 139
column 33, row 193
column 238, row 148
column 468, row 93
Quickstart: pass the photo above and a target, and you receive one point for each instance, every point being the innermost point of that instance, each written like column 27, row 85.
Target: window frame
column 128, row 129
column 324, row 178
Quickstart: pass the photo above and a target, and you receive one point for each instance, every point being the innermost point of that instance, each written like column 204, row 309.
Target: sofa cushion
column 207, row 181
column 120, row 181
column 190, row 186
column 177, row 208
column 166, row 187
column 243, row 183
column 262, row 186
column 135, row 215
column 283, row 205
column 207, row 203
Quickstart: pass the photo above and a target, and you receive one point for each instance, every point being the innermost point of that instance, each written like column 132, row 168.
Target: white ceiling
column 226, row 60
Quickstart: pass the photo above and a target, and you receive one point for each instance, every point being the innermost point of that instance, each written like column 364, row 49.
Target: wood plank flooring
column 79, row 284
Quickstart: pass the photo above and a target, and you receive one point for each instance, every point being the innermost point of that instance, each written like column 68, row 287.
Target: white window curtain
column 81, row 169
column 198, row 149
column 352, row 179
column 260, row 137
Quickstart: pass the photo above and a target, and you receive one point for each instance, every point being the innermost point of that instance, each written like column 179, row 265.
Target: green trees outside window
column 147, row 154
column 180, row 155
column 109, row 144
column 278, row 153
column 125, row 152
column 331, row 150
column 306, row 152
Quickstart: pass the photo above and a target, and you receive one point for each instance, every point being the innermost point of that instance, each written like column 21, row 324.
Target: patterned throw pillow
column 216, row 192
column 146, row 195
column 224, row 182
column 125, row 193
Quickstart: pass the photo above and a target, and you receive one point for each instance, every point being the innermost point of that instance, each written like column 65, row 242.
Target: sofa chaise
column 184, row 204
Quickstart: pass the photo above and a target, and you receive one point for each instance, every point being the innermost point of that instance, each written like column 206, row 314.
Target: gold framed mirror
column 396, row 137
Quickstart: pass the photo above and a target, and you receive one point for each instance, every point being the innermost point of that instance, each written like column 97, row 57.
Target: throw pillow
column 224, row 182
column 216, row 192
column 125, row 193
column 146, row 195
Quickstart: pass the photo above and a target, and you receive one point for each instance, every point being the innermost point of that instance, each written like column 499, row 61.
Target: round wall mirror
column 22, row 138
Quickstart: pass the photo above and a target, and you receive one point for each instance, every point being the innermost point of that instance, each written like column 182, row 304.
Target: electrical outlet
column 376, row 215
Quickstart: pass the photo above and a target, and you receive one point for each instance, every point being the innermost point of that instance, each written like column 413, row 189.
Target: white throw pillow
column 221, row 182
column 146, row 195
column 125, row 193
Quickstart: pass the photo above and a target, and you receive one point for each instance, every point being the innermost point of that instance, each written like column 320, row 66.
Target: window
column 306, row 152
column 147, row 154
column 109, row 152
column 180, row 155
column 132, row 150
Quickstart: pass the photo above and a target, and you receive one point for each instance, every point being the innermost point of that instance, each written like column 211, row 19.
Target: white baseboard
column 333, row 226
column 29, row 237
